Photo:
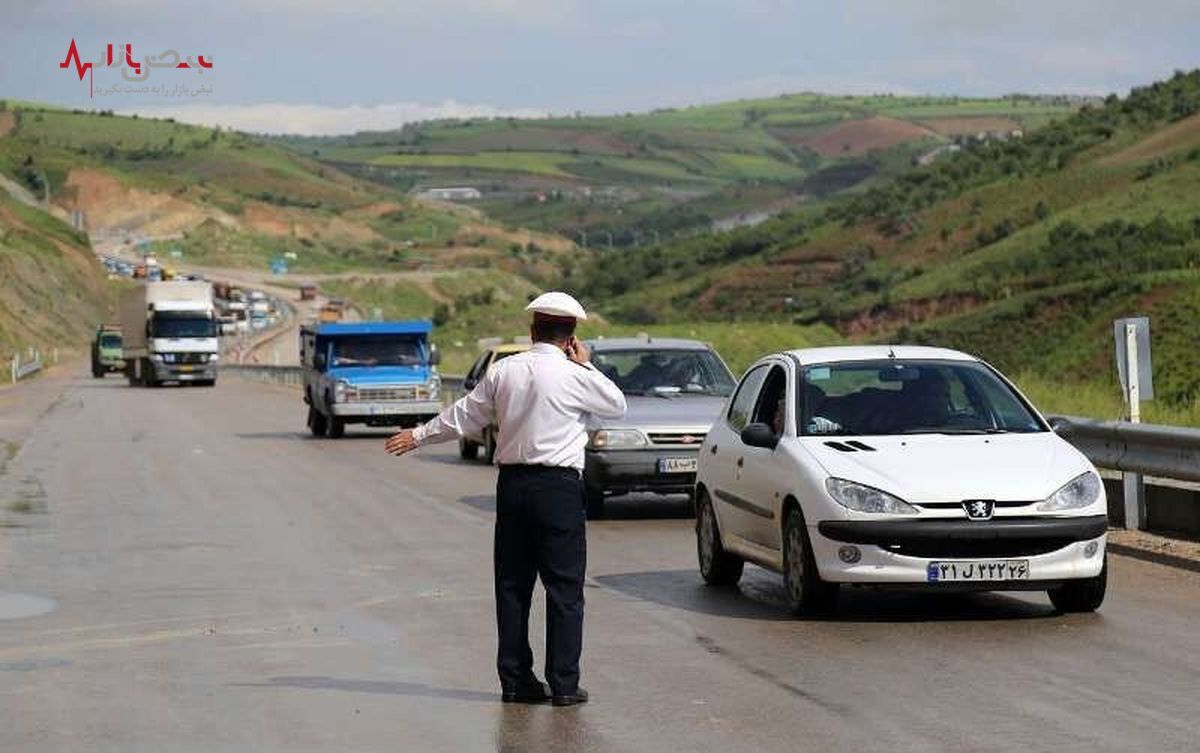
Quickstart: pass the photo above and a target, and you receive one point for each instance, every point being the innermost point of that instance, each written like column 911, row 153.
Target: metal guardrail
column 1171, row 452
column 19, row 370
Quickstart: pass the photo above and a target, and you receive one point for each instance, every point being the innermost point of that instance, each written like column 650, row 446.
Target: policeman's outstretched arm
column 467, row 415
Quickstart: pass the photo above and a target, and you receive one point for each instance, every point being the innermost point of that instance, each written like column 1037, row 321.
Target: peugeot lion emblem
column 979, row 509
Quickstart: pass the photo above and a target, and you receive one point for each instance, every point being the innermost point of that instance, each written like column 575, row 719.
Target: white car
column 902, row 465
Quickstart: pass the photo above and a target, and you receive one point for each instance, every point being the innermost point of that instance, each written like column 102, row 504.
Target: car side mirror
column 435, row 355
column 760, row 435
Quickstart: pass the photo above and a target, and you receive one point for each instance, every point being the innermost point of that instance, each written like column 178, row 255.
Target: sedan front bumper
column 900, row 551
column 625, row 471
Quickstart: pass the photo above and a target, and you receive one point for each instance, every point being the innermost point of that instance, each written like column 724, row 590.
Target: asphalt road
column 184, row 569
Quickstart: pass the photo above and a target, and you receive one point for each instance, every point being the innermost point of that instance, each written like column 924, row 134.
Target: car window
column 377, row 351
column 742, row 405
column 910, row 397
column 641, row 371
column 477, row 367
column 769, row 409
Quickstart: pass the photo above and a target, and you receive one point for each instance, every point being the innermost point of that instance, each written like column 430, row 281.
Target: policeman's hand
column 577, row 351
column 401, row 443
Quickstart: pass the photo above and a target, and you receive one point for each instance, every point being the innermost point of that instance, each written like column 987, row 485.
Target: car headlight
column 864, row 498
column 617, row 439
column 435, row 387
column 339, row 390
column 213, row 357
column 1080, row 491
column 159, row 357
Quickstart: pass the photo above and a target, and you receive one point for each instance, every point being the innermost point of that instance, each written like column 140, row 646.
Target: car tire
column 717, row 567
column 335, row 428
column 489, row 445
column 1083, row 595
column 468, row 450
column 594, row 499
column 804, row 590
column 316, row 422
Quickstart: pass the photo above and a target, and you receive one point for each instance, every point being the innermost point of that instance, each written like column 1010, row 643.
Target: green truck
column 106, row 351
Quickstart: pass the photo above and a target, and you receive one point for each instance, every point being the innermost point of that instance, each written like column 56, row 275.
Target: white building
column 452, row 193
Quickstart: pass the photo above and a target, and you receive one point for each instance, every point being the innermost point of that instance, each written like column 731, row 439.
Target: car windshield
column 187, row 325
column 910, row 397
column 661, row 371
column 110, row 341
column 378, row 351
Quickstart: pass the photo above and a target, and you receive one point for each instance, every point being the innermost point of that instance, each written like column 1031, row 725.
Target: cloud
column 321, row 120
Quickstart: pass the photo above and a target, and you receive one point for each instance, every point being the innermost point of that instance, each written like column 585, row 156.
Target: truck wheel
column 316, row 422
column 468, row 450
column 335, row 427
column 489, row 445
column 717, row 567
column 97, row 373
column 148, row 374
column 594, row 497
column 804, row 590
column 1083, row 595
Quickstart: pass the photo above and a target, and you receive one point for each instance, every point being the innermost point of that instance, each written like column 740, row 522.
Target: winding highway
column 186, row 569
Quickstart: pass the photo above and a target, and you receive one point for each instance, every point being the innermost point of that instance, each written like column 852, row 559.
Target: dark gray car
column 675, row 390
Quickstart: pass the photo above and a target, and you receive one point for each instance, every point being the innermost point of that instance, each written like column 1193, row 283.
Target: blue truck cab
column 374, row 373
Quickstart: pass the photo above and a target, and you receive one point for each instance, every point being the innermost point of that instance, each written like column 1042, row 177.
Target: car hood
column 367, row 375
column 671, row 410
column 940, row 468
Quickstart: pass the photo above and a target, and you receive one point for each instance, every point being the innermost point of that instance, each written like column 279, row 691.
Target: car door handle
column 741, row 462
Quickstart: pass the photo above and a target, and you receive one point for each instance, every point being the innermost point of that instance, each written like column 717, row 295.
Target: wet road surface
column 211, row 578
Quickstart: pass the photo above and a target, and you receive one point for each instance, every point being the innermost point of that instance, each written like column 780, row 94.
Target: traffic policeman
column 541, row 401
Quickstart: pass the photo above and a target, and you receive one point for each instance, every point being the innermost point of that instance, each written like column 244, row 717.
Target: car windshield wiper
column 956, row 430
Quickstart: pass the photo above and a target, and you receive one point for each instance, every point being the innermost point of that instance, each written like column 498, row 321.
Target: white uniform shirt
column 540, row 400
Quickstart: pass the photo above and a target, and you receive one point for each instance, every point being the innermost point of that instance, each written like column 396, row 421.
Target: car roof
column 658, row 343
column 510, row 348
column 834, row 354
column 412, row 327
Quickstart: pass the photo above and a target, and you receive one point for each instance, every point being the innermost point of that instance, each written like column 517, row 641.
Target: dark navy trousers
column 539, row 534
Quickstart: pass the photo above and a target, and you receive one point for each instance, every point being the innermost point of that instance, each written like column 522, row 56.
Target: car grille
column 950, row 549
column 375, row 394
column 676, row 438
column 190, row 358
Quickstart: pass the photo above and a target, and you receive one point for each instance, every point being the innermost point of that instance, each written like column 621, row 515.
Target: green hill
column 54, row 291
column 224, row 198
column 1021, row 251
column 626, row 180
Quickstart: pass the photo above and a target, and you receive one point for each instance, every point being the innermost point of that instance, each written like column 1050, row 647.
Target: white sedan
column 904, row 465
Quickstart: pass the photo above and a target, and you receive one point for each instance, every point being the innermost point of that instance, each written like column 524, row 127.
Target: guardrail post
column 16, row 364
column 1132, row 486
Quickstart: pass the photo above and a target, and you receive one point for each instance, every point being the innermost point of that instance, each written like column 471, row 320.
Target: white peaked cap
column 557, row 304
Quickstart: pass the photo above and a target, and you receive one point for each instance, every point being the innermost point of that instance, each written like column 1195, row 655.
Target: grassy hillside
column 225, row 198
column 54, row 292
column 1021, row 251
column 641, row 177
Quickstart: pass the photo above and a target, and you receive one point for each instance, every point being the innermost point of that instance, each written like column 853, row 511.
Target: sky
column 337, row 66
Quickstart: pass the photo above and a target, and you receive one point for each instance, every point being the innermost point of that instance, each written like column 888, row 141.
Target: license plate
column 385, row 410
column 677, row 465
column 187, row 368
column 980, row 571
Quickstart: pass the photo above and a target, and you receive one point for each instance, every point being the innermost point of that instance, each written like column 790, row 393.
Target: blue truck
column 373, row 373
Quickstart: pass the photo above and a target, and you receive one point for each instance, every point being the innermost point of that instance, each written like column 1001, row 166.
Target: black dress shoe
column 571, row 699
column 529, row 692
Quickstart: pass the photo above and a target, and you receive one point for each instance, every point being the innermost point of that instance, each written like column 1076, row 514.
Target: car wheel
column 316, row 422
column 468, row 450
column 1083, row 595
column 805, row 591
column 717, row 567
column 335, row 428
column 489, row 446
column 594, row 497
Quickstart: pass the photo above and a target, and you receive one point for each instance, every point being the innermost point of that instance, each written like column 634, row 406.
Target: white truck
column 171, row 333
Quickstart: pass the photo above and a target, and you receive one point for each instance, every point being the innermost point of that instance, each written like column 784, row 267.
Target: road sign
column 1134, row 330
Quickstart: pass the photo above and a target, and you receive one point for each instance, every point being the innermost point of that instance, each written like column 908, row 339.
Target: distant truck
column 106, row 351
column 373, row 373
column 308, row 291
column 169, row 333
